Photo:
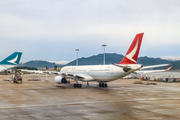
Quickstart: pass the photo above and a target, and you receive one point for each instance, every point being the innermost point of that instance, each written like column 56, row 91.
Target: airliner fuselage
column 102, row 73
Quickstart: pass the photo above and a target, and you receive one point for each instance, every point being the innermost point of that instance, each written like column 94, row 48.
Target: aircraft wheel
column 77, row 85
column 99, row 84
column 105, row 85
column 102, row 85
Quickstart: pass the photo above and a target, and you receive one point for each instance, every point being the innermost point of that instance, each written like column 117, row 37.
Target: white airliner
column 10, row 61
column 104, row 73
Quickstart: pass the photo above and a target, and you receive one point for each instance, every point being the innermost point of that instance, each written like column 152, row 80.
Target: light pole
column 104, row 45
column 77, row 56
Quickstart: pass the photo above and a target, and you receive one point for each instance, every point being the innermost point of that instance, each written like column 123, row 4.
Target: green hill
column 39, row 64
column 98, row 60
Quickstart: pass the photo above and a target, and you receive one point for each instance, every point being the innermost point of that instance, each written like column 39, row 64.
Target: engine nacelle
column 60, row 80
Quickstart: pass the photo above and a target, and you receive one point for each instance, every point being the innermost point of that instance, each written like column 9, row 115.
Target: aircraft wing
column 154, row 66
column 32, row 71
column 152, row 71
column 149, row 71
column 40, row 72
column 81, row 77
column 51, row 72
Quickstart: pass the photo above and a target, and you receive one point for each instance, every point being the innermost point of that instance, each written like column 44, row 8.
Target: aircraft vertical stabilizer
column 133, row 51
column 13, row 59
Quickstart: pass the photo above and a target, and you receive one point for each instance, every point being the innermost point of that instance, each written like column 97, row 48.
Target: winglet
column 169, row 68
column 13, row 59
column 133, row 51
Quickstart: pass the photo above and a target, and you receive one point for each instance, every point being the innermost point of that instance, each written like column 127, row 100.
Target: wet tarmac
column 121, row 100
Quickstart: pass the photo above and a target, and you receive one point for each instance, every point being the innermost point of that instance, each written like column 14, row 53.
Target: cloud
column 87, row 24
column 66, row 18
column 173, row 58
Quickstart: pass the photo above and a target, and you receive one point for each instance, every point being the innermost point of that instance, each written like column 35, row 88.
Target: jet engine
column 60, row 80
column 126, row 69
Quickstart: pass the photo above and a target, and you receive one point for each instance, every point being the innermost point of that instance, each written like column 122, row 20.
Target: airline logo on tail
column 133, row 51
column 13, row 59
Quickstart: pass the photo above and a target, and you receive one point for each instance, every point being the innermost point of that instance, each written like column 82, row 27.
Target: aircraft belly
column 99, row 75
column 106, row 76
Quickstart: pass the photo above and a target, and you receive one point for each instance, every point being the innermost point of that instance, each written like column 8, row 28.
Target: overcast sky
column 52, row 29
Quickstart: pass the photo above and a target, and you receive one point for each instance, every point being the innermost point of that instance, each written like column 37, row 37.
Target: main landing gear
column 101, row 84
column 77, row 85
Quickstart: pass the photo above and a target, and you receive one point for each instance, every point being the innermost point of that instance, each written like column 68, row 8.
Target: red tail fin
column 169, row 68
column 132, row 54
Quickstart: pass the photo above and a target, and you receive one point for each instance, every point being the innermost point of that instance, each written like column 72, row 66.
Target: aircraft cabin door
column 111, row 69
